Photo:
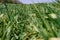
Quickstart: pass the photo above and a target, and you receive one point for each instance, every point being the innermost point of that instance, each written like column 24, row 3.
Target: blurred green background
column 29, row 22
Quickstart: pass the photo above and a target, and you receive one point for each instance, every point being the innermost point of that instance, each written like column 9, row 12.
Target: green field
column 29, row 22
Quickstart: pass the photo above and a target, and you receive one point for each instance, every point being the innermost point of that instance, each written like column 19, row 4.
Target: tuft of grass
column 29, row 22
